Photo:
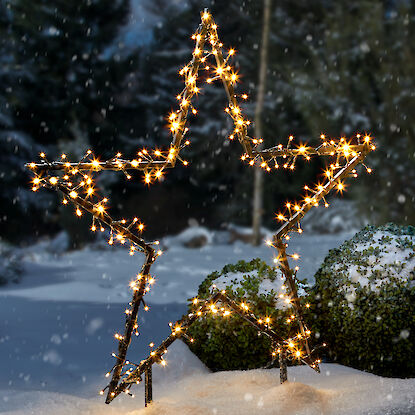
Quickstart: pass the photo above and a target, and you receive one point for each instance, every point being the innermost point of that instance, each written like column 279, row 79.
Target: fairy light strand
column 75, row 181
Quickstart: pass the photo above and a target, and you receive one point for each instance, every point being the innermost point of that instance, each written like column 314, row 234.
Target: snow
column 341, row 216
column 241, row 230
column 266, row 286
column 338, row 390
column 236, row 278
column 232, row 278
column 182, row 364
column 57, row 326
column 391, row 258
column 102, row 275
column 185, row 237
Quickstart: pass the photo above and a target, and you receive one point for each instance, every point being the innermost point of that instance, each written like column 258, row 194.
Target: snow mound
column 377, row 256
column 181, row 363
column 338, row 390
column 47, row 247
column 192, row 237
column 244, row 234
column 239, row 393
column 10, row 265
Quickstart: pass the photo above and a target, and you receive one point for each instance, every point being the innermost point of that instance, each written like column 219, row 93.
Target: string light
column 76, row 182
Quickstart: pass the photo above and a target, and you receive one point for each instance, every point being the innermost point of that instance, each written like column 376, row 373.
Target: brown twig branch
column 180, row 328
column 320, row 194
column 75, row 182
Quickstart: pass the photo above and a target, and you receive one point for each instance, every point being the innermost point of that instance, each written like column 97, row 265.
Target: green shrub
column 364, row 299
column 231, row 343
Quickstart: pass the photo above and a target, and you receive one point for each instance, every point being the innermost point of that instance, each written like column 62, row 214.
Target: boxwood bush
column 364, row 298
column 231, row 343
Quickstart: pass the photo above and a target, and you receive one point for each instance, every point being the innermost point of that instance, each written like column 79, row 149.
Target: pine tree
column 15, row 147
column 72, row 79
column 209, row 181
column 361, row 79
column 217, row 175
column 76, row 74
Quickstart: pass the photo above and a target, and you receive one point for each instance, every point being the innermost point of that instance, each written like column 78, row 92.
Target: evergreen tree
column 222, row 182
column 361, row 79
column 77, row 77
column 214, row 167
column 16, row 201
column 71, row 79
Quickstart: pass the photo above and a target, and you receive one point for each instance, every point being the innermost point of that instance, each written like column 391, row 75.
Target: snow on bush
column 231, row 343
column 365, row 292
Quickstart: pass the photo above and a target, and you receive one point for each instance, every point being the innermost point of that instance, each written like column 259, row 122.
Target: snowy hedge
column 365, row 301
column 231, row 343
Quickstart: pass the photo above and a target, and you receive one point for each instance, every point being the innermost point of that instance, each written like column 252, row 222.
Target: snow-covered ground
column 57, row 326
column 188, row 388
column 102, row 276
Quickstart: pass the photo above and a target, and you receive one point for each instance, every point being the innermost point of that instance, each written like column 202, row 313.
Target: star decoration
column 75, row 181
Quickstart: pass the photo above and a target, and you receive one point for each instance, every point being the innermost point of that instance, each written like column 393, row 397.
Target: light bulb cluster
column 219, row 304
column 348, row 156
column 76, row 182
column 78, row 187
column 285, row 157
column 154, row 162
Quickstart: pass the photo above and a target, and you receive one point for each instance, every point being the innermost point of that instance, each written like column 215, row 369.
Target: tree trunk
column 257, row 209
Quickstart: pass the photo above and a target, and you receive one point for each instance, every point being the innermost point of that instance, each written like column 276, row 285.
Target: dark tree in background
column 216, row 186
column 75, row 77
column 361, row 78
column 72, row 85
column 207, row 185
column 15, row 146
column 334, row 67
